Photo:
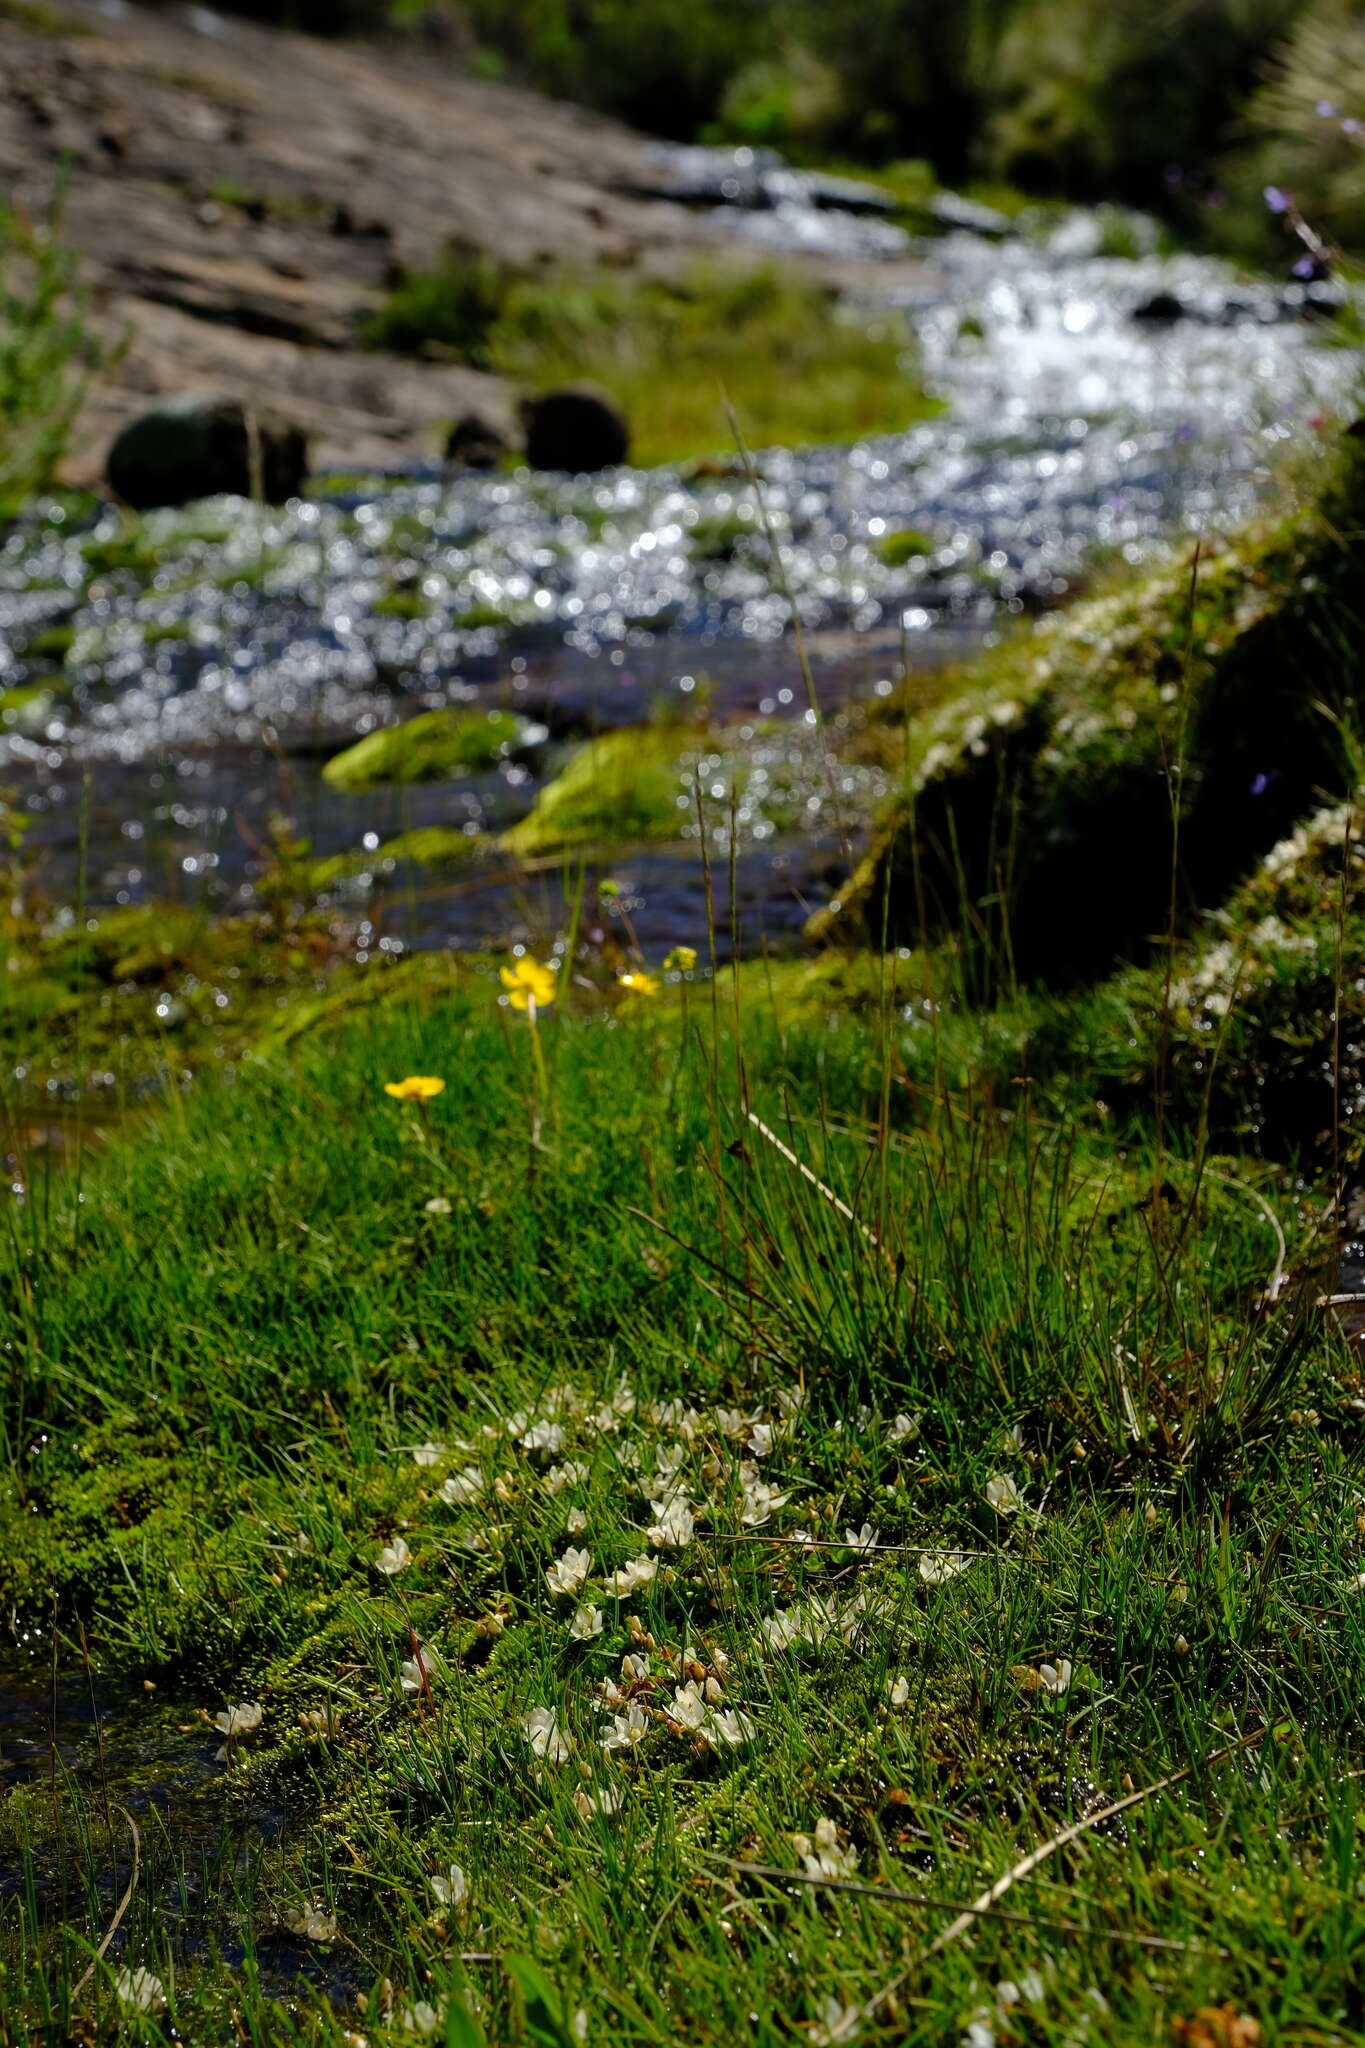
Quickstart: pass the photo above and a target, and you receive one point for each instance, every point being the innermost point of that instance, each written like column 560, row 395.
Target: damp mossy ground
column 590, row 1504
column 729, row 1464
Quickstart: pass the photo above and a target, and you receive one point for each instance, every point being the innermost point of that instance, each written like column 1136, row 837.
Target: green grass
column 796, row 365
column 228, row 1332
column 949, row 1347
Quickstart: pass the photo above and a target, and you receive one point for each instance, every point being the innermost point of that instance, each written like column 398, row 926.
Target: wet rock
column 476, row 442
column 1163, row 309
column 951, row 210
column 575, row 428
column 202, row 444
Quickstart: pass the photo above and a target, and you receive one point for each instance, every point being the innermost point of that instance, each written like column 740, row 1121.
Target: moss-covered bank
column 1130, row 760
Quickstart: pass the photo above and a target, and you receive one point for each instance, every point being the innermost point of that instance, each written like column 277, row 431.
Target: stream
column 1100, row 399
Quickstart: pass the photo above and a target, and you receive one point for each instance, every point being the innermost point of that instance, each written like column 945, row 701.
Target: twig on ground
column 880, row 1891
column 1028, row 1864
column 124, row 1903
column 814, row 1179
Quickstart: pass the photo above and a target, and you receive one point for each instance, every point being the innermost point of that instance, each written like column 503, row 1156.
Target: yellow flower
column 681, row 960
column 529, row 982
column 638, row 984
column 416, row 1088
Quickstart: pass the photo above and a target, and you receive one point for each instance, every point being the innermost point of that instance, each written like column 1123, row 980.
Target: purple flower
column 1306, row 267
column 1326, row 111
column 1350, row 126
column 1276, row 200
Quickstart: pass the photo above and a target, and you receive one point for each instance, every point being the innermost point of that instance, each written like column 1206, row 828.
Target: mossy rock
column 428, row 846
column 1037, row 808
column 618, row 789
column 896, row 549
column 1267, row 1014
column 430, row 747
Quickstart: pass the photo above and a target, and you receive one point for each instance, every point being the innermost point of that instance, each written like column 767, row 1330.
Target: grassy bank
column 798, row 366
column 1016, row 1493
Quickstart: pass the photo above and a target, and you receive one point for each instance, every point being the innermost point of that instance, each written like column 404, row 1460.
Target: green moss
column 401, row 604
column 896, row 549
column 429, row 748
column 1037, row 802
column 428, row 846
column 479, row 617
column 719, row 536
column 615, row 790
column 25, row 705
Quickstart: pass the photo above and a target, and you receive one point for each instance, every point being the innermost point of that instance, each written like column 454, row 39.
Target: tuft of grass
column 976, row 1501
column 797, row 365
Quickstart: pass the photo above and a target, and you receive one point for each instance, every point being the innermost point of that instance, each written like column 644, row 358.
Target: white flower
column 637, row 1571
column 1003, row 1494
column 733, row 1422
column 586, row 1624
column 837, row 2022
column 139, row 1990
column 543, row 1436
column 463, row 1488
column 732, row 1728
column 428, row 1454
column 561, row 1476
column 568, row 1574
column 861, row 1539
column 674, row 1524
column 609, row 1417
column 633, row 1666
column 576, row 1522
column 393, row 1557
column 240, row 1721
column 603, row 1799
column 545, row 1735
column 310, row 1923
column 416, row 1673
column 1056, row 1677
column 903, row 1429
column 825, row 1857
column 979, row 2034
column 689, row 1709
column 439, row 1205
column 898, row 1692
column 1013, row 1439
column 421, row 2018
column 759, row 1501
column 761, row 1440
column 784, row 1628
column 450, row 1889
column 936, row 1566
column 626, row 1729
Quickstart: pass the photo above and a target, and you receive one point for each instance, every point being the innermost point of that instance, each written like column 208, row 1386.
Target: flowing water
column 1100, row 398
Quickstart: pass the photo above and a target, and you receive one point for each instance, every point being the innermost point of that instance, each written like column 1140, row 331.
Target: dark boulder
column 201, row 444
column 1163, row 309
column 476, row 443
column 575, row 428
